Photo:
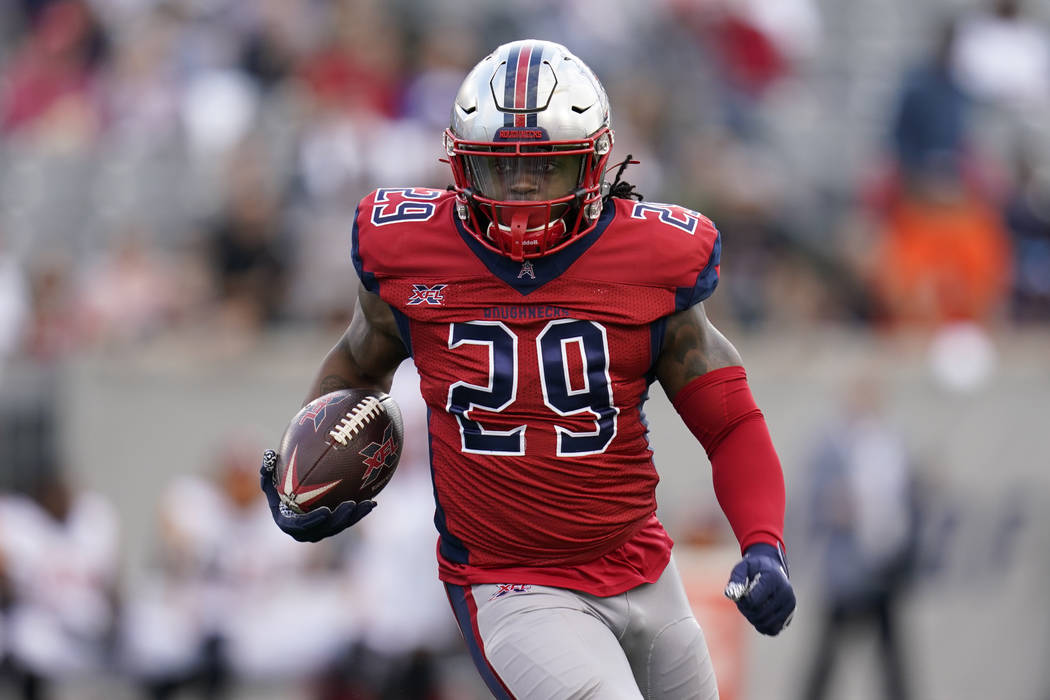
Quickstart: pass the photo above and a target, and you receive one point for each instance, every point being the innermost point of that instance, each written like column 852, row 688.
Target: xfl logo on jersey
column 423, row 294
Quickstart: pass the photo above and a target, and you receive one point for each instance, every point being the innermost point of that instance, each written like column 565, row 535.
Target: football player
column 539, row 302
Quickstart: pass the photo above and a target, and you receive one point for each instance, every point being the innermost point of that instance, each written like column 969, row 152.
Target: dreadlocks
column 621, row 189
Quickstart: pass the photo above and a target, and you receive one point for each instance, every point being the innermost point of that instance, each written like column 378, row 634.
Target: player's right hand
column 318, row 523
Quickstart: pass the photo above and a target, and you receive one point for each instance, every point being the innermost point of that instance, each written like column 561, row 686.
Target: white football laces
column 355, row 419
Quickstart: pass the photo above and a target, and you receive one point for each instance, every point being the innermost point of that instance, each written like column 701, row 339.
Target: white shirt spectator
column 1003, row 60
column 231, row 574
column 403, row 604
column 63, row 573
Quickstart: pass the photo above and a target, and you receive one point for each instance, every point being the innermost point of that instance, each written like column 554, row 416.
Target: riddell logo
column 520, row 134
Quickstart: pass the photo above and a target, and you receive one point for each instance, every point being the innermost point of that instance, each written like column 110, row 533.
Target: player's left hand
column 760, row 588
column 318, row 523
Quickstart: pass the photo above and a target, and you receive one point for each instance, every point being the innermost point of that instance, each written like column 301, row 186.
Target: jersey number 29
column 595, row 396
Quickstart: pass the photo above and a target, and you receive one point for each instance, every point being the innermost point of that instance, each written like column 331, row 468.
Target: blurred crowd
column 190, row 168
column 227, row 605
column 194, row 164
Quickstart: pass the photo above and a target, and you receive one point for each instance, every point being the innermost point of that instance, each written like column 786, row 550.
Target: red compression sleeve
column 721, row 412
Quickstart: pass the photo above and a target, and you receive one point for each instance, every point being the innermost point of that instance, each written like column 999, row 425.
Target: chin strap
column 519, row 226
column 510, row 240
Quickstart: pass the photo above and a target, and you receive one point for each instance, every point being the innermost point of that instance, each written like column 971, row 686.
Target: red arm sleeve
column 721, row 412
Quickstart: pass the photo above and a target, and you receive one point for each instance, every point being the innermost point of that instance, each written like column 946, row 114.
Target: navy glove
column 760, row 588
column 318, row 523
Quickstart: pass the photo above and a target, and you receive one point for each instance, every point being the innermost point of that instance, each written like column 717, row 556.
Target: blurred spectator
column 746, row 61
column 744, row 189
column 406, row 626
column 1028, row 218
column 932, row 125
column 359, row 65
column 321, row 291
column 247, row 246
column 218, row 108
column 753, row 45
column 14, row 304
column 142, row 84
column 863, row 517
column 130, row 293
column 273, row 47
column 441, row 59
column 942, row 251
column 944, row 255
column 38, row 327
column 330, row 162
column 218, row 609
column 50, row 84
column 30, row 423
column 61, row 551
column 1003, row 55
column 56, row 327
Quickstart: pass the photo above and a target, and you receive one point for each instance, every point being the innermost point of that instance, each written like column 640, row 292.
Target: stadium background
column 176, row 182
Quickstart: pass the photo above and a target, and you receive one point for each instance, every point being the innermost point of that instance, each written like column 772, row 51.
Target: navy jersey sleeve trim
column 706, row 281
column 403, row 329
column 540, row 270
column 656, row 343
column 368, row 279
column 452, row 548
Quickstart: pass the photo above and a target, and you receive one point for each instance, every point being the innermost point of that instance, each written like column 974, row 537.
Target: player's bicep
column 692, row 346
column 373, row 336
column 368, row 352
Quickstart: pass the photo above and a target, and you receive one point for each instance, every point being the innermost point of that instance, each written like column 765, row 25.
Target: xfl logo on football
column 317, row 409
column 379, row 456
column 424, row 294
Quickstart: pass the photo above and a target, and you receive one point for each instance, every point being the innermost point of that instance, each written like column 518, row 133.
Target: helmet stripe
column 533, row 84
column 521, row 83
column 509, row 83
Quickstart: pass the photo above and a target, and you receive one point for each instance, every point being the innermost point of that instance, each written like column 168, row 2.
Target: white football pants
column 542, row 643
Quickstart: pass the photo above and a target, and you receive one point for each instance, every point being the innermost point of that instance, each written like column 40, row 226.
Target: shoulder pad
column 686, row 248
column 382, row 221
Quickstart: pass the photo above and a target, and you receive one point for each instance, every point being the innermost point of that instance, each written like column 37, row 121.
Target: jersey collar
column 532, row 274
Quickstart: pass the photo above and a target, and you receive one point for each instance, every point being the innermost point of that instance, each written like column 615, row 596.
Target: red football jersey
column 535, row 374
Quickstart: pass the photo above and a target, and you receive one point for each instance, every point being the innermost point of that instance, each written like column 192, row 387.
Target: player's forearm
column 749, row 483
column 366, row 355
column 340, row 369
column 748, row 480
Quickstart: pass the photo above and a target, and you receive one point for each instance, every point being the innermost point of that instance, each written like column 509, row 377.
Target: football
column 343, row 446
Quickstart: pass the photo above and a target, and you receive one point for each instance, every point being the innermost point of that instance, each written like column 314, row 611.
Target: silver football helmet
column 528, row 145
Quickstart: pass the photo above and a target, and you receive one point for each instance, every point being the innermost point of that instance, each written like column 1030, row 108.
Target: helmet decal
column 521, row 83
